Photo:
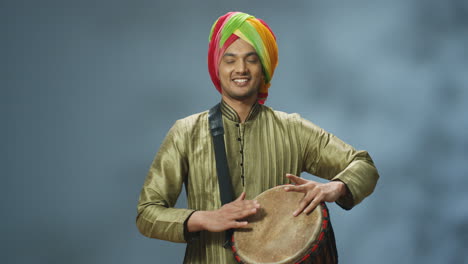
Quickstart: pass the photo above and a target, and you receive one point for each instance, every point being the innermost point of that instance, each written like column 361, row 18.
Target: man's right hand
column 225, row 217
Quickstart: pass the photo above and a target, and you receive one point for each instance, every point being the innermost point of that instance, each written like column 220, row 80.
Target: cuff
column 346, row 201
column 190, row 236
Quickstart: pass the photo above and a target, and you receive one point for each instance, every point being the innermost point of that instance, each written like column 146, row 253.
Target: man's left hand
column 314, row 192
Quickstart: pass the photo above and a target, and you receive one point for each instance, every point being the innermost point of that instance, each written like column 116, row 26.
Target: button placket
column 241, row 128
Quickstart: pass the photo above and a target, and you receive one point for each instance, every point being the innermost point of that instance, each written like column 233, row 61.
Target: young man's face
column 240, row 71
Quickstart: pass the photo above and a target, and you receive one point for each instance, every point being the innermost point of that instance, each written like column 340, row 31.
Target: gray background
column 90, row 88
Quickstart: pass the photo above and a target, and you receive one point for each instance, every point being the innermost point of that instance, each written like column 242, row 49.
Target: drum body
column 276, row 236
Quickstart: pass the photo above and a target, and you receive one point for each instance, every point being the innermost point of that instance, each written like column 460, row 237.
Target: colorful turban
column 254, row 31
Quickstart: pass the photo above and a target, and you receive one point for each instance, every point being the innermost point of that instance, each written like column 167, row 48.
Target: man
column 264, row 148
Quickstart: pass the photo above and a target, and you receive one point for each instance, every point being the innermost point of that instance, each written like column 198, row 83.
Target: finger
column 245, row 213
column 292, row 188
column 312, row 205
column 240, row 215
column 241, row 197
column 303, row 204
column 295, row 179
column 239, row 224
column 254, row 204
column 240, row 205
column 245, row 204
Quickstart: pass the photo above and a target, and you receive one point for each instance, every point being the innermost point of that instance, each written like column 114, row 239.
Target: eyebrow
column 235, row 55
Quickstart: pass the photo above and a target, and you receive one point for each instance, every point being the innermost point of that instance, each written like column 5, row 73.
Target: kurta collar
column 232, row 115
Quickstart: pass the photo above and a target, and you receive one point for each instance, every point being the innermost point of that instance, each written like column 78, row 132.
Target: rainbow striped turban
column 256, row 32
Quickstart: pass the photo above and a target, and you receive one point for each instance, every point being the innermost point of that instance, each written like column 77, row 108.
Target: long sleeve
column 156, row 216
column 328, row 157
column 261, row 151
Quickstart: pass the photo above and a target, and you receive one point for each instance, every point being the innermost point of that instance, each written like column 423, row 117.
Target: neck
column 242, row 107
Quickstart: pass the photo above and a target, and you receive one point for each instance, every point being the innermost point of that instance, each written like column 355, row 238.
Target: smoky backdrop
column 90, row 88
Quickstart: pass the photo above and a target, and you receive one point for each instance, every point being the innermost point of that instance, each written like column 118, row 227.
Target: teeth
column 240, row 80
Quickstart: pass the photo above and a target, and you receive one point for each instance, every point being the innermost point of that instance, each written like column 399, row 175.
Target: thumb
column 241, row 197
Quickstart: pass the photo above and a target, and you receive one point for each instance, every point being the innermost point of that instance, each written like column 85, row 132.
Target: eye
column 252, row 59
column 229, row 61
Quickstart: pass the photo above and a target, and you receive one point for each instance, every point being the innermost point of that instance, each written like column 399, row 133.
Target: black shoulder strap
column 225, row 186
column 217, row 132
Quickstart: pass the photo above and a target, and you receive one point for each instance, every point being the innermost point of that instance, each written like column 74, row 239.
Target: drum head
column 274, row 234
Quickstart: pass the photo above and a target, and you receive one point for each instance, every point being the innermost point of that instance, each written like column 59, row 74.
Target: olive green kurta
column 260, row 152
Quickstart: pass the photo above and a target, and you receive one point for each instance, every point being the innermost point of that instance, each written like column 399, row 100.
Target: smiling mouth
column 240, row 81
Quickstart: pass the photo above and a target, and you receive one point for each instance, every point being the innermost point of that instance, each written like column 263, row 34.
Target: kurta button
column 242, row 164
column 238, row 139
column 241, row 152
column 237, row 125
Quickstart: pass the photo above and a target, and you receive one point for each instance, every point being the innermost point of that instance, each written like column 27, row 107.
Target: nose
column 241, row 67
